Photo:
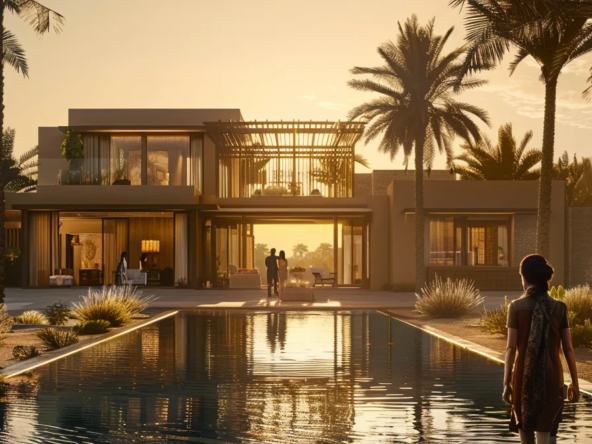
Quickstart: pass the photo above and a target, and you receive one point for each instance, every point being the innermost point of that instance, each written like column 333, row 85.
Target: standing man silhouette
column 272, row 273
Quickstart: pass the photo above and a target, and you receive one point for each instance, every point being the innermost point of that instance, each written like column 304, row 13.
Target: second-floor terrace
column 259, row 159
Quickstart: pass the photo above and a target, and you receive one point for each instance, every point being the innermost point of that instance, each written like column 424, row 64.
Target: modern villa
column 185, row 191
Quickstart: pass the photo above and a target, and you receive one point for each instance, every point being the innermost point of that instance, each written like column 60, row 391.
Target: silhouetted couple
column 277, row 270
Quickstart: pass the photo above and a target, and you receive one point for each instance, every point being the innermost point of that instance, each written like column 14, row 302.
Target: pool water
column 273, row 377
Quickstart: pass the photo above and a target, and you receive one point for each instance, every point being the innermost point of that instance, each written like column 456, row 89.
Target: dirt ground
column 29, row 337
column 469, row 329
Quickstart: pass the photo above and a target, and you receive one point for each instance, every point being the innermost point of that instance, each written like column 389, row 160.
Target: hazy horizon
column 273, row 60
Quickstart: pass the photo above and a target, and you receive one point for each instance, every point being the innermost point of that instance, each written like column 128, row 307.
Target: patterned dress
column 520, row 317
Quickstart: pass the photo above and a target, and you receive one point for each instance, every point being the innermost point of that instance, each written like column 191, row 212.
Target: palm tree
column 300, row 250
column 335, row 172
column 578, row 180
column 554, row 33
column 41, row 19
column 20, row 176
column 28, row 164
column 416, row 110
column 506, row 161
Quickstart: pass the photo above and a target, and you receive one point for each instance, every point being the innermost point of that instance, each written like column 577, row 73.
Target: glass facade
column 167, row 160
column 468, row 241
column 137, row 159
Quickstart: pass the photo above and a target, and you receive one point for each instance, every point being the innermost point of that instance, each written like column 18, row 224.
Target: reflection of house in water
column 235, row 376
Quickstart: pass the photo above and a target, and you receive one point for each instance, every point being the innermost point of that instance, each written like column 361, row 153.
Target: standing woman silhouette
column 533, row 381
column 121, row 273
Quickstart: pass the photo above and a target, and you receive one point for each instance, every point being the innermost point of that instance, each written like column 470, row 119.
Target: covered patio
column 285, row 158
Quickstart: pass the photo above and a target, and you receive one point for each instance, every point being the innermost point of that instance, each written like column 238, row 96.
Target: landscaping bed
column 469, row 329
column 100, row 312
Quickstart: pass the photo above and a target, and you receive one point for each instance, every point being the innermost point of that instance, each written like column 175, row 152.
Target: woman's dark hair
column 283, row 255
column 537, row 271
column 123, row 256
column 143, row 257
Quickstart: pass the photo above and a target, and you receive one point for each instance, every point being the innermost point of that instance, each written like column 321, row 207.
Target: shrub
column 581, row 335
column 23, row 352
column 496, row 320
column 5, row 321
column 579, row 301
column 31, row 317
column 557, row 293
column 92, row 327
column 115, row 304
column 448, row 299
column 53, row 338
column 57, row 314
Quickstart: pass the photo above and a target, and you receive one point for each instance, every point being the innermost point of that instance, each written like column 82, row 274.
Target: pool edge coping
column 46, row 358
column 585, row 386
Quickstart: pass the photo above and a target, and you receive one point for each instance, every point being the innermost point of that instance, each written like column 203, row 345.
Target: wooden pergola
column 285, row 158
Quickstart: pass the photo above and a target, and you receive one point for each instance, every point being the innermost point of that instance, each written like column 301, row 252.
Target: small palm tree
column 42, row 19
column 553, row 33
column 508, row 160
column 416, row 110
column 578, row 180
column 300, row 250
column 335, row 172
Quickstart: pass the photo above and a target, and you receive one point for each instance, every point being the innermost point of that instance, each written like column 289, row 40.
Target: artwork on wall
column 92, row 250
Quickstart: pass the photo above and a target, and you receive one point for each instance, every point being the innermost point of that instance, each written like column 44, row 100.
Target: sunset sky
column 272, row 59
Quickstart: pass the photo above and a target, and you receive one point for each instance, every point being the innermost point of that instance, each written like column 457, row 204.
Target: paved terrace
column 19, row 300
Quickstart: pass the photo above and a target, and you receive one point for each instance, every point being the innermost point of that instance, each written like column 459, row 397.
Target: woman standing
column 282, row 270
column 537, row 328
column 121, row 273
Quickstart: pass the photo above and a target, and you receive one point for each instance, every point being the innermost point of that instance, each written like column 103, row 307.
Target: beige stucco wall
column 379, row 241
column 50, row 155
column 491, row 196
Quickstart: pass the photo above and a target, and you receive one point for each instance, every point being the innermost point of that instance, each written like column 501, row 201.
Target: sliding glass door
column 351, row 251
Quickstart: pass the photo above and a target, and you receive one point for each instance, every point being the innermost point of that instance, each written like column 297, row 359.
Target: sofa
column 245, row 279
column 136, row 277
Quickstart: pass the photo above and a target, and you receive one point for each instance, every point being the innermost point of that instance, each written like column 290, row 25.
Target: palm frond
column 14, row 54
column 40, row 17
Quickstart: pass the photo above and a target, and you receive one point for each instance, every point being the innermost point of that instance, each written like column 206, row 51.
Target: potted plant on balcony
column 73, row 151
column 257, row 192
column 121, row 175
column 294, row 188
column 315, row 192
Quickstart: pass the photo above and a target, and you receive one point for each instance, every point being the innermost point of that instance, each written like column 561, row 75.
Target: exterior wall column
column 195, row 271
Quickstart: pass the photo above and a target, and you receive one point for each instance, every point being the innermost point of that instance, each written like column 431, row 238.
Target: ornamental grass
column 31, row 317
column 114, row 304
column 448, row 299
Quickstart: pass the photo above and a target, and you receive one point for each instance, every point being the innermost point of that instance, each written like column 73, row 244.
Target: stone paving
column 19, row 300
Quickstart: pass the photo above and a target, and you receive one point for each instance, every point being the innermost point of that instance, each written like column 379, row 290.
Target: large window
column 126, row 159
column 468, row 240
column 136, row 159
column 167, row 160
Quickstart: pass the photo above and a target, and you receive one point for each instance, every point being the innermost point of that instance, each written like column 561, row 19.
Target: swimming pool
column 290, row 377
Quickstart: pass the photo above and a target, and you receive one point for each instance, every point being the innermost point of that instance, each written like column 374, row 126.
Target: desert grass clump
column 58, row 313
column 579, row 301
column 449, row 299
column 24, row 352
column 581, row 335
column 92, row 327
column 496, row 320
column 133, row 299
column 31, row 317
column 115, row 304
column 54, row 339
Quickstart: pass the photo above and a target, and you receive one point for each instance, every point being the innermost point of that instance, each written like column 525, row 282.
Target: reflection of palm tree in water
column 276, row 330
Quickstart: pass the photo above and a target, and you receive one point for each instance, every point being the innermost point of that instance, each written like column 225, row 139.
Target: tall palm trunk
column 545, row 184
column 2, row 202
column 420, row 267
